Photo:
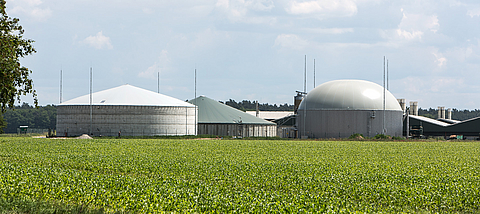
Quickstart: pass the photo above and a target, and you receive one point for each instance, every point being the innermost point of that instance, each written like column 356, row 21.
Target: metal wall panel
column 241, row 130
column 129, row 120
column 344, row 123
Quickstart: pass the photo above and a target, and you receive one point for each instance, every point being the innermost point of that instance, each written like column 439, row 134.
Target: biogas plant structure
column 126, row 110
column 340, row 108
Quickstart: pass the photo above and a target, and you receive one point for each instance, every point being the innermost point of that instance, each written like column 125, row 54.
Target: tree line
column 456, row 114
column 247, row 105
column 43, row 117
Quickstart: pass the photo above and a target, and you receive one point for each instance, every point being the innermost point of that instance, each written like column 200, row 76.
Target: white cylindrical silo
column 127, row 111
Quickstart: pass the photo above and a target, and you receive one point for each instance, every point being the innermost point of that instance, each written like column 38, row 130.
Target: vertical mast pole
column 196, row 126
column 305, row 96
column 61, row 86
column 383, row 131
column 314, row 73
column 387, row 76
column 91, row 107
column 305, row 76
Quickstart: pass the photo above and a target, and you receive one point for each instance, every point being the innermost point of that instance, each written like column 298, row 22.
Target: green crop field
column 158, row 175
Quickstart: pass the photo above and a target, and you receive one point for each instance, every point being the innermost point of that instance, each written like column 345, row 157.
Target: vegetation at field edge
column 164, row 175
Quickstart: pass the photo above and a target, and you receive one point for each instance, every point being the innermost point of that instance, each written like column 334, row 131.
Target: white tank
column 126, row 110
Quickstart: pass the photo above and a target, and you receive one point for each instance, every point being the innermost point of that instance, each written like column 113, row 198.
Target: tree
column 14, row 78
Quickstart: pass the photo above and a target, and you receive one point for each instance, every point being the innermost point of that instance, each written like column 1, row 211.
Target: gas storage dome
column 340, row 108
column 125, row 110
column 349, row 95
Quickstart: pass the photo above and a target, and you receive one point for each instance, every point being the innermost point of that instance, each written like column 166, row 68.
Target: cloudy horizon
column 254, row 49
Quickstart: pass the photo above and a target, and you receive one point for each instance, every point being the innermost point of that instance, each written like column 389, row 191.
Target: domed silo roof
column 127, row 95
column 349, row 95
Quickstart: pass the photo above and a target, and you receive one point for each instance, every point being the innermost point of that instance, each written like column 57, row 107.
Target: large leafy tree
column 14, row 78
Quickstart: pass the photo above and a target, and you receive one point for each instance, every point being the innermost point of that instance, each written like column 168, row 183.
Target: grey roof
column 430, row 120
column 127, row 95
column 349, row 95
column 270, row 115
column 211, row 111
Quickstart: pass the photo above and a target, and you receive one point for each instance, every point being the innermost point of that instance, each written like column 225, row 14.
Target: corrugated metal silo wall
column 243, row 130
column 344, row 123
column 129, row 120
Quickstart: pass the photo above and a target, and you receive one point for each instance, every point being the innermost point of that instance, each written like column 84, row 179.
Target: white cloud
column 291, row 41
column 440, row 59
column 473, row 12
column 244, row 10
column 330, row 30
column 417, row 24
column 412, row 27
column 31, row 8
column 409, row 35
column 98, row 41
column 160, row 65
column 321, row 9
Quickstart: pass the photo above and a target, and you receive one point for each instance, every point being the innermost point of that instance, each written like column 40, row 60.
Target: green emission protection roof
column 211, row 111
column 349, row 95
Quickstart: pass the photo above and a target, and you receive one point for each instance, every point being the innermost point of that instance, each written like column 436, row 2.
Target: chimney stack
column 441, row 112
column 449, row 113
column 413, row 108
column 402, row 104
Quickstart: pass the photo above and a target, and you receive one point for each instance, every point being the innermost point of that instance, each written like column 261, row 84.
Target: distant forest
column 45, row 117
column 247, row 105
column 456, row 114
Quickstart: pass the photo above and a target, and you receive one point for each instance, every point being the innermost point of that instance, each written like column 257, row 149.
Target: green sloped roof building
column 215, row 118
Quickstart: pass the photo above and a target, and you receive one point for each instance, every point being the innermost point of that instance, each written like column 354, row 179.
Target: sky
column 254, row 49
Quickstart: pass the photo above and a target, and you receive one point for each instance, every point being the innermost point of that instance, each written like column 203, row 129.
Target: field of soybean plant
column 243, row 176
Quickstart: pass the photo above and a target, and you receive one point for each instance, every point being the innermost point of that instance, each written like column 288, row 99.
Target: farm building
column 215, row 118
column 340, row 108
column 128, row 110
column 447, row 128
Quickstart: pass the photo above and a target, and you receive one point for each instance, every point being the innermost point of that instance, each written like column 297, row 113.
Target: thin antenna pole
column 314, row 74
column 195, row 102
column 186, row 120
column 91, row 106
column 387, row 75
column 61, row 86
column 158, row 82
column 383, row 95
column 305, row 96
column 305, row 76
